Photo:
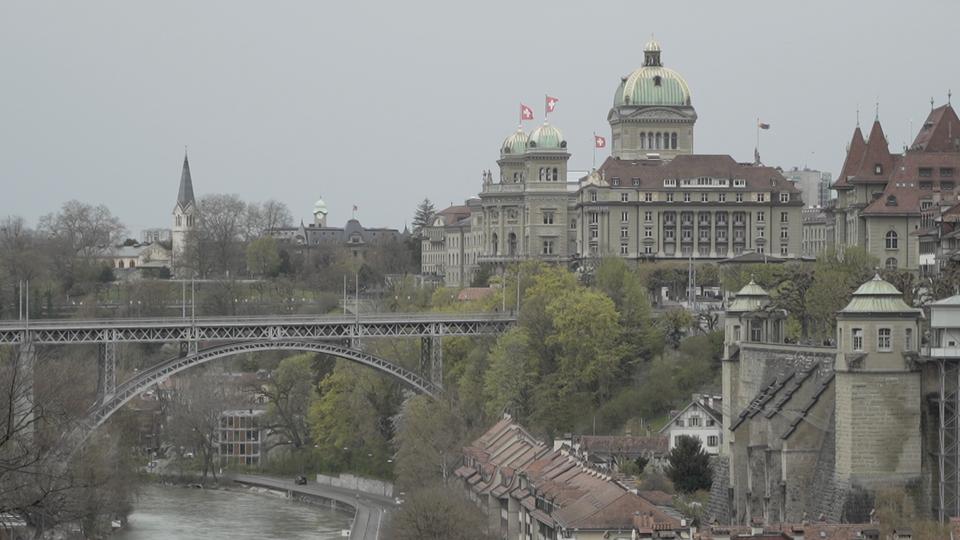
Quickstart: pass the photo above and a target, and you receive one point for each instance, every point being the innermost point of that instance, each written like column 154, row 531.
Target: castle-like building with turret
column 816, row 432
column 654, row 198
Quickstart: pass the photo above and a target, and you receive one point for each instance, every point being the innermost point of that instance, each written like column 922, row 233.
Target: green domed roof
column 653, row 84
column 751, row 297
column 546, row 137
column 878, row 296
column 516, row 143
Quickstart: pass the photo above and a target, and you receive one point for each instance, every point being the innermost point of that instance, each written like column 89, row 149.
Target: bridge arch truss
column 164, row 370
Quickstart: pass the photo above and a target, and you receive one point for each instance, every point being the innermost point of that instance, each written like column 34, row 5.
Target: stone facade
column 451, row 245
column 887, row 202
column 704, row 206
column 815, row 239
column 809, row 426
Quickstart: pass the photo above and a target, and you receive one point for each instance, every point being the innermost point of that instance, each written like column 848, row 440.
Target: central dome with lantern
column 652, row 114
column 652, row 84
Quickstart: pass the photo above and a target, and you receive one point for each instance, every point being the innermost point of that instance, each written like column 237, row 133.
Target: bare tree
column 41, row 481
column 221, row 229
column 196, row 406
column 83, row 229
column 264, row 217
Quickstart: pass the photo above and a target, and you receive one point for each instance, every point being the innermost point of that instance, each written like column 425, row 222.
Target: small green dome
column 516, row 143
column 546, row 137
column 751, row 297
column 878, row 296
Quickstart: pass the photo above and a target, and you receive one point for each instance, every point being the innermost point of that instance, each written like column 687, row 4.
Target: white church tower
column 185, row 215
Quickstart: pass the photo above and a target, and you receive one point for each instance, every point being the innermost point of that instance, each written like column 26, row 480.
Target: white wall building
column 701, row 419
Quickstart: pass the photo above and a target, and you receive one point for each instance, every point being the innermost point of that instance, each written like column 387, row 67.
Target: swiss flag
column 599, row 142
column 551, row 103
column 526, row 113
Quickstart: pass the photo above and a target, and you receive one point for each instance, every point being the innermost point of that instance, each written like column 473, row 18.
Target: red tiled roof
column 876, row 153
column 474, row 293
column 652, row 173
column 940, row 131
column 657, row 497
column 582, row 497
column 609, row 444
column 454, row 214
column 855, row 151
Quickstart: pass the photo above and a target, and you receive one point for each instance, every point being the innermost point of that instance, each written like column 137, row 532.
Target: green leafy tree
column 836, row 276
column 689, row 465
column 587, row 336
column 642, row 338
column 289, row 393
column 350, row 422
column 675, row 324
column 510, row 379
column 263, row 257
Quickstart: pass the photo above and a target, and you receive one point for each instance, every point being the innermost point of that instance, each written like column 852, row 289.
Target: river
column 163, row 513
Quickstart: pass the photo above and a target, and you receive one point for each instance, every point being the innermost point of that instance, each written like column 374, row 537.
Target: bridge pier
column 23, row 400
column 431, row 359
column 106, row 371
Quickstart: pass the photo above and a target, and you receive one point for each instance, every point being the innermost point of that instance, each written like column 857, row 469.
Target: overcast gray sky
column 380, row 104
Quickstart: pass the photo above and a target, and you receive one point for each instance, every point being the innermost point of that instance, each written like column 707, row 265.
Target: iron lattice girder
column 49, row 332
column 162, row 371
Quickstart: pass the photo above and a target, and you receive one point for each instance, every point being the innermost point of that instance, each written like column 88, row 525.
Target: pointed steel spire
column 185, row 195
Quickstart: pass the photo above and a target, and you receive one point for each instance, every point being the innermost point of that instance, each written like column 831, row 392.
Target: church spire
column 185, row 195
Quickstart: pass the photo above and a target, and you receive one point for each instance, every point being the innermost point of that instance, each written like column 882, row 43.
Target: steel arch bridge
column 164, row 370
column 208, row 338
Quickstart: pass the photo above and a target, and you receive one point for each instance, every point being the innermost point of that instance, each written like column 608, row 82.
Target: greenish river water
column 163, row 513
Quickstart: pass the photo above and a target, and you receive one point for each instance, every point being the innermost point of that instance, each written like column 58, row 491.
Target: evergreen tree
column 423, row 216
column 689, row 465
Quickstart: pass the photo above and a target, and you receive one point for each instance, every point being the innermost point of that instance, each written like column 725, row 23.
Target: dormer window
column 657, row 81
column 891, row 200
column 878, row 169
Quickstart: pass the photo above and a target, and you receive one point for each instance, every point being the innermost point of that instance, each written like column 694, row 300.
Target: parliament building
column 652, row 199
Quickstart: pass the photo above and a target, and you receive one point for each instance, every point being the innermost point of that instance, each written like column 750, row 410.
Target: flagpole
column 594, row 150
column 758, row 134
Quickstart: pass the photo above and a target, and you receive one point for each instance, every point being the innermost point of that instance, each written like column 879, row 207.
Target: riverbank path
column 371, row 510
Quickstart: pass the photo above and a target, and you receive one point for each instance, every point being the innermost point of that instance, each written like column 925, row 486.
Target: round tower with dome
column 320, row 213
column 652, row 111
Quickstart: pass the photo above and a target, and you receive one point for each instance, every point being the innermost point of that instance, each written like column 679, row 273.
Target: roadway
column 158, row 330
column 371, row 510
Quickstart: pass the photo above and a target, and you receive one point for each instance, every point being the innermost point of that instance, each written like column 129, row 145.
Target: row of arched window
column 658, row 141
column 549, row 175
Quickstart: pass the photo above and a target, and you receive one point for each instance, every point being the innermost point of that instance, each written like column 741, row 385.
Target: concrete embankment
column 370, row 509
